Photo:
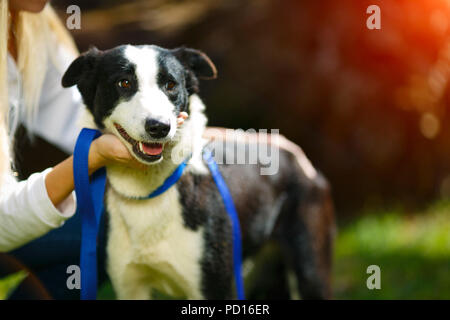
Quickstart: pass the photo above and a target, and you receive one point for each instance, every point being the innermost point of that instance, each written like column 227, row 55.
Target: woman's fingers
column 113, row 150
column 181, row 117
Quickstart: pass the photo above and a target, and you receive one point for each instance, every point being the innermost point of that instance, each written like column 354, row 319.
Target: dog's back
column 286, row 217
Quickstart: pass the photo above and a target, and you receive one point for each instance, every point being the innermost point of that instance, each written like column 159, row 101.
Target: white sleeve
column 57, row 119
column 26, row 211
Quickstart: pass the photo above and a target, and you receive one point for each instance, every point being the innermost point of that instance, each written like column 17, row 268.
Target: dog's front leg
column 131, row 284
column 126, row 277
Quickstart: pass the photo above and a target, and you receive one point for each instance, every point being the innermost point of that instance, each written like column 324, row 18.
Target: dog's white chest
column 149, row 242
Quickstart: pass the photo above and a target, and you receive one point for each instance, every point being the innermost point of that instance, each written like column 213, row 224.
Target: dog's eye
column 124, row 83
column 170, row 85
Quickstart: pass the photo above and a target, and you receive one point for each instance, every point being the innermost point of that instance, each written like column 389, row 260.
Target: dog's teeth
column 140, row 147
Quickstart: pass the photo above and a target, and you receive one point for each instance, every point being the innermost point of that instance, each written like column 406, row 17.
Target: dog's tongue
column 152, row 149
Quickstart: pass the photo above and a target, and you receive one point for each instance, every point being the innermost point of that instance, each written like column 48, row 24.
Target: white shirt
column 26, row 212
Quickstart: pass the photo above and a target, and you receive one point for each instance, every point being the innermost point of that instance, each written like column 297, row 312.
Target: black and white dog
column 180, row 242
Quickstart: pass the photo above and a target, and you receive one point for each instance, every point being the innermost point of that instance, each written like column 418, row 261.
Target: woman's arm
column 33, row 207
column 106, row 149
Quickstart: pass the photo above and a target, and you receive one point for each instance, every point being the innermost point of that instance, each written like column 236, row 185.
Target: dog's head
column 138, row 92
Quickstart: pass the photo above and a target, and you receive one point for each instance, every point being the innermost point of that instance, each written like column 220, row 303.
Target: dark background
column 369, row 107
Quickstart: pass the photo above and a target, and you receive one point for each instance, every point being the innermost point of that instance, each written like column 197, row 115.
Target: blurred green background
column 412, row 250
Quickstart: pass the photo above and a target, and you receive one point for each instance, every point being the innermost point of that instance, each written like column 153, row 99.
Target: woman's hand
column 104, row 150
column 108, row 149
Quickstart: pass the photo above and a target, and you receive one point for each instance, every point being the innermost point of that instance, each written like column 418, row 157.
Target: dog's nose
column 157, row 128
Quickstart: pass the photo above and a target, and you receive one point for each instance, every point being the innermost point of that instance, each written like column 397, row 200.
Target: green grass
column 106, row 292
column 10, row 283
column 412, row 251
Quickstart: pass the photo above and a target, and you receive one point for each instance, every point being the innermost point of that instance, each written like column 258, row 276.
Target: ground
column 412, row 250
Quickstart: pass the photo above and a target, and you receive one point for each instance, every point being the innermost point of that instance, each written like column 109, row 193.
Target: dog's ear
column 84, row 63
column 198, row 62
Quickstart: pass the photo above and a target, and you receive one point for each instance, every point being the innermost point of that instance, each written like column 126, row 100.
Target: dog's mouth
column 147, row 151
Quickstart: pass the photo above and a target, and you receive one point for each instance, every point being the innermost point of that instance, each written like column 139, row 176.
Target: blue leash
column 90, row 206
column 90, row 196
column 229, row 206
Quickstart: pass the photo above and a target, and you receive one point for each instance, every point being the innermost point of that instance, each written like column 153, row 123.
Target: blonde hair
column 37, row 38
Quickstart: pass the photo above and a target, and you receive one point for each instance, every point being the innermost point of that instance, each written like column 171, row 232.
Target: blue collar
column 169, row 182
